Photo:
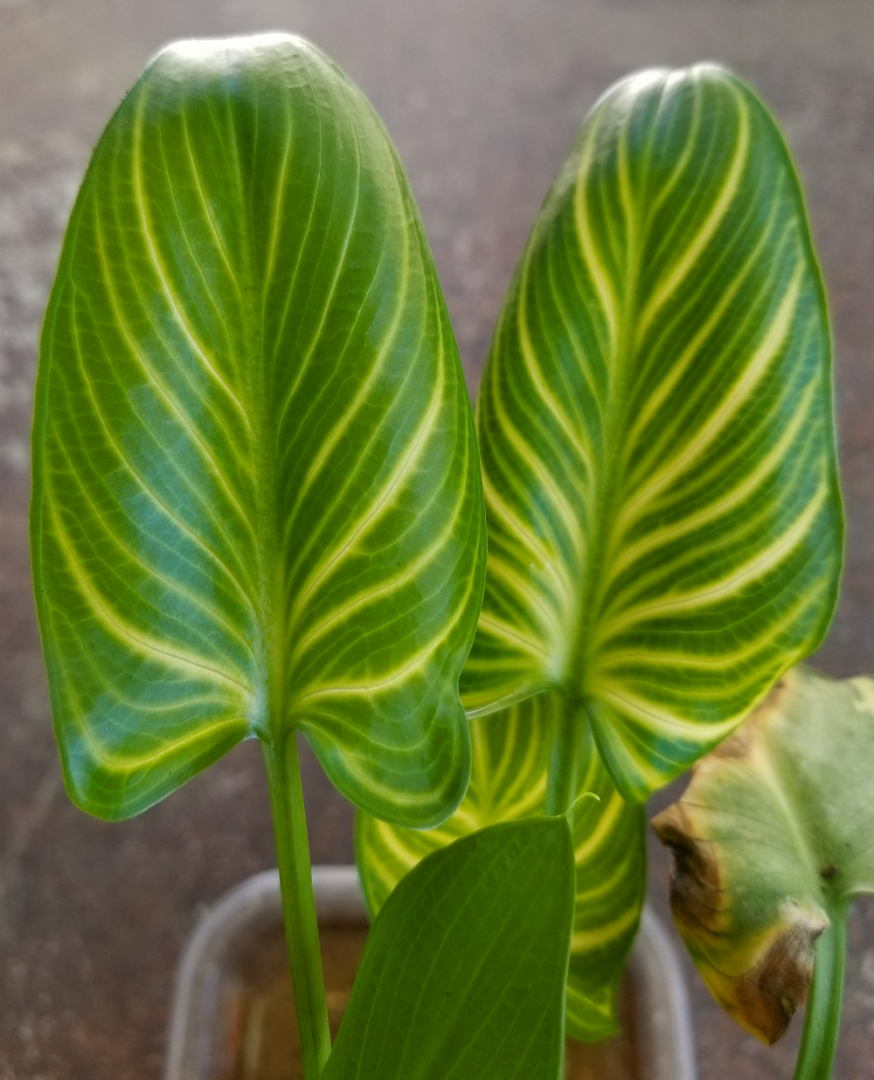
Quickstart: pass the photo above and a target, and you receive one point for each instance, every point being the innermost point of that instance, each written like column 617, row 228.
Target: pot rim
column 661, row 1001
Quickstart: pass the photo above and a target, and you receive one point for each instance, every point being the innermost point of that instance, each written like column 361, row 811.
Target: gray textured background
column 482, row 98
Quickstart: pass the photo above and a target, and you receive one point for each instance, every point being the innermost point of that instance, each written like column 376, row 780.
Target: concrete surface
column 482, row 98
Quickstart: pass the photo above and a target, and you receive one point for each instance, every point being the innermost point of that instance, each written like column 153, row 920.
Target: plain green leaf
column 655, row 423
column 508, row 781
column 463, row 973
column 256, row 489
column 773, row 839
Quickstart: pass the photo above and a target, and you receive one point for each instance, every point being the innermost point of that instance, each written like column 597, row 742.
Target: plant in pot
column 258, row 511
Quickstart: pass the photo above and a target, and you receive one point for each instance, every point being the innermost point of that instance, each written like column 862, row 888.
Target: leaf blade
column 439, row 993
column 256, row 497
column 656, row 432
column 772, row 842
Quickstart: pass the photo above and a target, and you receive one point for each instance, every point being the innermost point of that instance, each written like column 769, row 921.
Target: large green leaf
column 772, row 840
column 655, row 424
column 256, row 498
column 510, row 760
column 463, row 974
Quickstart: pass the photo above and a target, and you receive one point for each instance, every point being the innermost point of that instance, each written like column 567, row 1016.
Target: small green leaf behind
column 508, row 782
column 772, row 840
column 656, row 431
column 257, row 500
column 463, row 973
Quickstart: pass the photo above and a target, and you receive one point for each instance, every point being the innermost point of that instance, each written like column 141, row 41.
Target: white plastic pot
column 208, row 990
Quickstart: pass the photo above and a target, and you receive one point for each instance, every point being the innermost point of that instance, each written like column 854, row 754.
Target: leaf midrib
column 266, row 710
column 607, row 502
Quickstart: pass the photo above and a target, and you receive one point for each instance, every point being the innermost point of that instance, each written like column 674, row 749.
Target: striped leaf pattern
column 257, row 504
column 508, row 782
column 655, row 424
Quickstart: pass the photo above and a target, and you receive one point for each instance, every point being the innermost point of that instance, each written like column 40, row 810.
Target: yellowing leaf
column 772, row 840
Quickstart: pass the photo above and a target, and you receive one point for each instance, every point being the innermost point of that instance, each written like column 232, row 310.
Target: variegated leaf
column 510, row 759
column 655, row 423
column 256, row 496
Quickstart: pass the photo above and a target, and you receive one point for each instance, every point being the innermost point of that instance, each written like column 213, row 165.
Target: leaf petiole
column 298, row 902
column 564, row 755
column 822, row 1018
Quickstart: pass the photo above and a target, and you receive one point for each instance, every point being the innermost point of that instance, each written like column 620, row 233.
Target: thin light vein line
column 219, row 243
column 98, row 413
column 182, row 323
column 165, row 394
column 175, row 659
column 326, row 298
column 378, row 505
column 151, row 571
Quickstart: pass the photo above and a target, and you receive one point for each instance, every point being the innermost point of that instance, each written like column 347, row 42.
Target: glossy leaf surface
column 256, row 498
column 463, row 973
column 772, row 840
column 508, row 781
column 655, row 423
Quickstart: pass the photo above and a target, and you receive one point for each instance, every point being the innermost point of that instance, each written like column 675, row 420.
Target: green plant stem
column 561, row 780
column 298, row 903
column 822, row 1018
